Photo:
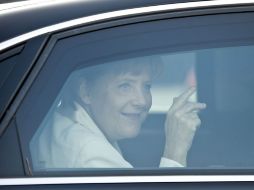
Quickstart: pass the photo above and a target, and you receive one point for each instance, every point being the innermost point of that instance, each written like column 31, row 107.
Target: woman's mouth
column 133, row 116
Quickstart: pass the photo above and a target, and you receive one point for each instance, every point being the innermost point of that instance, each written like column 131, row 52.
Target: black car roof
column 43, row 13
column 19, row 22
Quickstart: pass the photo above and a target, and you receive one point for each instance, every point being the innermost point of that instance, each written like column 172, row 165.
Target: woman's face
column 120, row 103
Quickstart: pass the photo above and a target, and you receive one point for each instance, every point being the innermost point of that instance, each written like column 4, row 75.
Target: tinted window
column 146, row 95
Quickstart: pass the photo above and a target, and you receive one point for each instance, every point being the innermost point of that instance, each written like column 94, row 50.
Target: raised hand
column 180, row 126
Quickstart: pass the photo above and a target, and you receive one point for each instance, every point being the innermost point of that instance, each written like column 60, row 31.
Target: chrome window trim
column 126, row 179
column 113, row 15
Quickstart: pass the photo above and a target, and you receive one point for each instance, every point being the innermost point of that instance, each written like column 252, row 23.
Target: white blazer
column 74, row 141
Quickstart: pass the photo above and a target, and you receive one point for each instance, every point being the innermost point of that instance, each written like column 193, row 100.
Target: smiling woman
column 125, row 91
column 92, row 114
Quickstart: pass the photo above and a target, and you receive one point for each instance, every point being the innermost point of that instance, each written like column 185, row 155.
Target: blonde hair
column 133, row 65
column 70, row 92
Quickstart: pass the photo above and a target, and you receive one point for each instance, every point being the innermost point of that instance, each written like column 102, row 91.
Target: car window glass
column 144, row 96
column 101, row 105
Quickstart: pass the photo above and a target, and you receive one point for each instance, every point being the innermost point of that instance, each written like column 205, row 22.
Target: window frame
column 27, row 55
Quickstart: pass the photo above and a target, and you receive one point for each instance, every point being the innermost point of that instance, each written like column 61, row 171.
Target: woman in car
column 103, row 104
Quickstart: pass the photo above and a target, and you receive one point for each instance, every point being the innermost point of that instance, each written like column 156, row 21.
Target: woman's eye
column 125, row 87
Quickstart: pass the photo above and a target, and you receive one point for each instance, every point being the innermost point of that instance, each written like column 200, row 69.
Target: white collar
column 79, row 115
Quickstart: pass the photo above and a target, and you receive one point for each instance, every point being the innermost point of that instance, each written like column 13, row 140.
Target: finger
column 180, row 100
column 191, row 107
column 193, row 120
column 192, row 116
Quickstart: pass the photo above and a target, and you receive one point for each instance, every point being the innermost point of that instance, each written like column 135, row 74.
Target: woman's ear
column 84, row 92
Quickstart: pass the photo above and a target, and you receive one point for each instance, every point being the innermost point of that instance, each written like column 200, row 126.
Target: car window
column 152, row 95
column 8, row 60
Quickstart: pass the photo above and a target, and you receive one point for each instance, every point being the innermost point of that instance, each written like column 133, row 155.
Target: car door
column 211, row 49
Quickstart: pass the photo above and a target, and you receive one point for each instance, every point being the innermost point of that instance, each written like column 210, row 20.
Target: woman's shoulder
column 67, row 129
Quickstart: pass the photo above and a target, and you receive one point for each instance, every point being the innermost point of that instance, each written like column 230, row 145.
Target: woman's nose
column 139, row 99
